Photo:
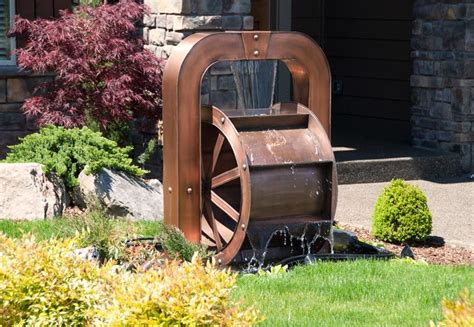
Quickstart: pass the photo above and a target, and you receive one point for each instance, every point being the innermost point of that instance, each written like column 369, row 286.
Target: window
column 7, row 12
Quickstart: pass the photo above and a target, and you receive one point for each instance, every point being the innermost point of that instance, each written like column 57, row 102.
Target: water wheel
column 261, row 173
column 225, row 201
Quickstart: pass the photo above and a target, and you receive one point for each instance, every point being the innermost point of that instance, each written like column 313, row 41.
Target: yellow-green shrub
column 42, row 284
column 459, row 313
column 188, row 293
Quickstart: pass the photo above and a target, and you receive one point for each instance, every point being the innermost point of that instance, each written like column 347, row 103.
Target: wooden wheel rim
column 215, row 117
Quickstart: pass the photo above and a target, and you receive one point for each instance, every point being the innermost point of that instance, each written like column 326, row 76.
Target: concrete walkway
column 451, row 203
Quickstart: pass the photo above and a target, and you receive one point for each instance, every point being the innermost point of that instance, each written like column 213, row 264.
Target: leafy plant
column 92, row 3
column 42, row 284
column 102, row 72
column 274, row 271
column 145, row 156
column 179, row 294
column 458, row 313
column 177, row 246
column 401, row 214
column 107, row 235
column 66, row 152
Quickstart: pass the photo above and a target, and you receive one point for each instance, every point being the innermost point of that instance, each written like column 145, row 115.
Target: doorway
column 367, row 43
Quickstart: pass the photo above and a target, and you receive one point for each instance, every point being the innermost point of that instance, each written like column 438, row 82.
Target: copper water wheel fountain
column 226, row 178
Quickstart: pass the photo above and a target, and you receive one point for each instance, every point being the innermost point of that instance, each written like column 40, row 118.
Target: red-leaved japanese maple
column 102, row 72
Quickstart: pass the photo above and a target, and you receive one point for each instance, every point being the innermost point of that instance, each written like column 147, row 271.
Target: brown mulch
column 433, row 250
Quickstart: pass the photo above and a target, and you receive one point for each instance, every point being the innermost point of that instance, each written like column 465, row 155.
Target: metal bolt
column 243, row 226
column 222, row 120
column 256, row 53
column 244, row 167
column 219, row 261
column 170, row 189
column 255, row 37
column 190, row 190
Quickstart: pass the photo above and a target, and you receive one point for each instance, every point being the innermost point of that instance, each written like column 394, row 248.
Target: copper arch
column 181, row 95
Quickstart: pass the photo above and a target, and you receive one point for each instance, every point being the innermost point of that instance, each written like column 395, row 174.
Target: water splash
column 293, row 239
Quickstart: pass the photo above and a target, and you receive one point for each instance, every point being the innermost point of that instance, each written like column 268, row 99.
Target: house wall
column 173, row 20
column 443, row 77
column 16, row 86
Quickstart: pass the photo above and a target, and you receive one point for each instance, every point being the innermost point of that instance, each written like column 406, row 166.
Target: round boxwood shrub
column 401, row 214
column 66, row 152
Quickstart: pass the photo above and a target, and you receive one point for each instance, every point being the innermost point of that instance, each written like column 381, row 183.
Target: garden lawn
column 64, row 227
column 357, row 293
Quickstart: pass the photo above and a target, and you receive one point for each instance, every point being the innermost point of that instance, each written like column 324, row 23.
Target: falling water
column 299, row 238
column 255, row 82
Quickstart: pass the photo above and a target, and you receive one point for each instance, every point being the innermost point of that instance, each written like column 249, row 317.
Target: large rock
column 121, row 195
column 26, row 192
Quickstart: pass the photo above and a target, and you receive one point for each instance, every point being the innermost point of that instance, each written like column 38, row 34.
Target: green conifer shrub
column 66, row 152
column 401, row 214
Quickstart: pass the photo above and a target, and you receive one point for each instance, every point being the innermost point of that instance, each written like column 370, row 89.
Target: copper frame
column 182, row 109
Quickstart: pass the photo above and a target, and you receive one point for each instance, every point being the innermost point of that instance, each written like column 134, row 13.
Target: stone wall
column 172, row 20
column 15, row 87
column 443, row 77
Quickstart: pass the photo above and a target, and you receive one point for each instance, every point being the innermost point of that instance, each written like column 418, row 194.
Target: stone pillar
column 171, row 21
column 443, row 77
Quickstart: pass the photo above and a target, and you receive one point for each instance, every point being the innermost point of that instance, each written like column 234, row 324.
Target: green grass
column 358, row 293
column 64, row 227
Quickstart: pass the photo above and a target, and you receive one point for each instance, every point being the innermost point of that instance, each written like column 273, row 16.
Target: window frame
column 12, row 60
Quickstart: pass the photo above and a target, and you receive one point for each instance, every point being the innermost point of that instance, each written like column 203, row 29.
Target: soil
column 434, row 250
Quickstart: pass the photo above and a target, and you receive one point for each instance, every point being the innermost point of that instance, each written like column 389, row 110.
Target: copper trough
column 229, row 181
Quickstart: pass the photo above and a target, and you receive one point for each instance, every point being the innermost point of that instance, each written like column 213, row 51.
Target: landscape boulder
column 27, row 193
column 120, row 195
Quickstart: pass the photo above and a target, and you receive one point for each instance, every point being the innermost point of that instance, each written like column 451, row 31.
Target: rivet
column 244, row 167
column 255, row 37
column 222, row 120
column 256, row 53
column 170, row 189
column 243, row 226
column 190, row 190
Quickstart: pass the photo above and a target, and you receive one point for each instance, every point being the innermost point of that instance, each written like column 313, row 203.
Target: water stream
column 288, row 240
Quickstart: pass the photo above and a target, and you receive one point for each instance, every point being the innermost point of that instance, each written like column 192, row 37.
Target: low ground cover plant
column 66, row 152
column 103, row 75
column 56, row 288
column 401, row 214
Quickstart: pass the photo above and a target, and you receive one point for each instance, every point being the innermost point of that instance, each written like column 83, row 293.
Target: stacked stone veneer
column 171, row 21
column 15, row 87
column 443, row 77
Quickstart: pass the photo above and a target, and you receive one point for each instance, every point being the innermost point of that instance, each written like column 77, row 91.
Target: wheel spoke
column 224, row 232
column 209, row 215
column 225, row 177
column 207, row 231
column 224, row 206
column 215, row 154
